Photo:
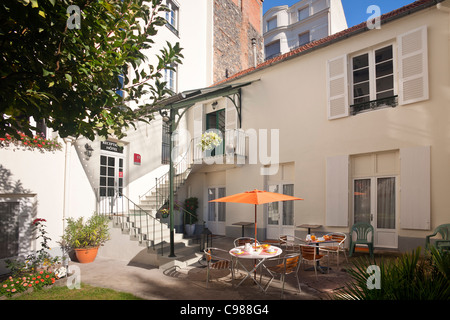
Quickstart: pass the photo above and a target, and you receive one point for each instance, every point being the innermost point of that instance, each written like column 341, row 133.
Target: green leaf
column 68, row 77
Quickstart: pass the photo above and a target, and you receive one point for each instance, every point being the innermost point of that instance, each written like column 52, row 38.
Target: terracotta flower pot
column 86, row 255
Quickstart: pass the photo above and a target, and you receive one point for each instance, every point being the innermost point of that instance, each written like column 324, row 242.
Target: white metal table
column 260, row 254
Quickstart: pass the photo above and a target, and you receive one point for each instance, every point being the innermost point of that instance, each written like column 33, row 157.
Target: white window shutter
column 337, row 191
column 231, row 116
column 337, row 88
column 198, row 120
column 415, row 204
column 413, row 66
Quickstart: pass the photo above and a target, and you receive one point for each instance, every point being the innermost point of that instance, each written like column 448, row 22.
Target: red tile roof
column 395, row 14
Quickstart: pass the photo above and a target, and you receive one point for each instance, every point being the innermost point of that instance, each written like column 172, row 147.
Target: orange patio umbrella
column 256, row 197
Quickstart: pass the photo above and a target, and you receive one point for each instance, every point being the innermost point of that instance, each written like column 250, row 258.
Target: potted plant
column 190, row 217
column 86, row 238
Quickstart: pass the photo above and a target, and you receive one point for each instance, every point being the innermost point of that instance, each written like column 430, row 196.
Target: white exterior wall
column 44, row 174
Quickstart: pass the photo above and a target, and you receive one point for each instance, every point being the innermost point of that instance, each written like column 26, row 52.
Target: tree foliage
column 72, row 77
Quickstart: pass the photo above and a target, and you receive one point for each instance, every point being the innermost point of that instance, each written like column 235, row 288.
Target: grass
column 86, row 292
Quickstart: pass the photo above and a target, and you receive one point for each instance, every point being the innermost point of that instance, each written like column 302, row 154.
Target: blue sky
column 355, row 10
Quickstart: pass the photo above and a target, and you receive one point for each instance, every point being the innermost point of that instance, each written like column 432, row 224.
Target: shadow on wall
column 18, row 208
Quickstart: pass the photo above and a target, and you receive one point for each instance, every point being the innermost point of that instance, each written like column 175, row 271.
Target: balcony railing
column 373, row 105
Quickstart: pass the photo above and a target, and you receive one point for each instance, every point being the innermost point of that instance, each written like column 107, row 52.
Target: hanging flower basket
column 210, row 140
column 164, row 213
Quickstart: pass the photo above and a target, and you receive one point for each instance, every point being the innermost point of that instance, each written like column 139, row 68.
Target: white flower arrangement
column 210, row 140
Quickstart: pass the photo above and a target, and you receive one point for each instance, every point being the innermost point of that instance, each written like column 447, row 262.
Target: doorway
column 216, row 120
column 374, row 202
column 280, row 215
column 216, row 210
column 111, row 183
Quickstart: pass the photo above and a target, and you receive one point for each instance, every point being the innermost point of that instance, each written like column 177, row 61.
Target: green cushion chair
column 441, row 244
column 362, row 230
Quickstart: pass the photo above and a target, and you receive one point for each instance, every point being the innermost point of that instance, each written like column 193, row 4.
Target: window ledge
column 173, row 29
column 374, row 105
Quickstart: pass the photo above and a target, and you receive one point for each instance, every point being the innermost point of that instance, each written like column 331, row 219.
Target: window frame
column 304, row 9
column 172, row 16
column 373, row 101
column 268, row 23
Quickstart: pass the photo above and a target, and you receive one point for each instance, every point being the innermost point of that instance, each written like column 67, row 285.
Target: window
column 303, row 38
column 9, row 229
column 373, row 80
column 366, row 80
column 303, row 13
column 165, row 152
column 272, row 50
column 111, row 175
column 170, row 78
column 172, row 17
column 271, row 24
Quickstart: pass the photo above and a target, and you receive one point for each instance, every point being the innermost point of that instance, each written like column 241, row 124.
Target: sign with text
column 137, row 159
column 111, row 146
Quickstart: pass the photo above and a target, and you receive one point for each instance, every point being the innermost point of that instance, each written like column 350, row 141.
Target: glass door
column 216, row 120
column 280, row 215
column 374, row 202
column 111, row 184
column 216, row 211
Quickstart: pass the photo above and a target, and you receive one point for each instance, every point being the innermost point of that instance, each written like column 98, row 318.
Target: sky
column 355, row 10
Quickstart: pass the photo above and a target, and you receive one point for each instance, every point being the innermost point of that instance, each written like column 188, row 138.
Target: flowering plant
column 40, row 259
column 164, row 212
column 22, row 283
column 210, row 140
column 30, row 143
column 191, row 205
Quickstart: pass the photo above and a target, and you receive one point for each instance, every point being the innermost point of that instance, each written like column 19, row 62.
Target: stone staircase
column 140, row 237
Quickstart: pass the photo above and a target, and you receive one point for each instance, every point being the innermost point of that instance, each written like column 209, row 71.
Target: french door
column 280, row 215
column 216, row 211
column 111, row 183
column 216, row 120
column 375, row 202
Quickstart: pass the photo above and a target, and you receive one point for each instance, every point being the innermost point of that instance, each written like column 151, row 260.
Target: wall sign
column 137, row 159
column 110, row 146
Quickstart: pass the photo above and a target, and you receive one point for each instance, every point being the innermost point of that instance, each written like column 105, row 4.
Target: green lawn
column 86, row 292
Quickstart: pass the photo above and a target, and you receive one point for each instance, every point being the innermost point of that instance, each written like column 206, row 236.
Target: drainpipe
column 254, row 51
column 69, row 142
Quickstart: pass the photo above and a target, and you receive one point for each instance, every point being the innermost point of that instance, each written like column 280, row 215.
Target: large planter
column 86, row 255
column 190, row 229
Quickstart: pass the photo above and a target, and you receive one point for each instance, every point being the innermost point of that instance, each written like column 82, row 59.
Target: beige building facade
column 356, row 124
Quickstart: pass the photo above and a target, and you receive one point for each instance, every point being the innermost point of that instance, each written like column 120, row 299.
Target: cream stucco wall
column 291, row 97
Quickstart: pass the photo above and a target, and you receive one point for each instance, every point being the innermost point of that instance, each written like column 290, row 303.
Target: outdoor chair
column 215, row 259
column 441, row 244
column 243, row 240
column 336, row 247
column 289, row 264
column 362, row 231
column 291, row 243
column 312, row 253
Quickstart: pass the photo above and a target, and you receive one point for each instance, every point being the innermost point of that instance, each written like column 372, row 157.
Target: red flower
column 38, row 220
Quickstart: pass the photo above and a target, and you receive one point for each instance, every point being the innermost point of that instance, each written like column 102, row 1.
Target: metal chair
column 336, row 247
column 362, row 231
column 291, row 243
column 289, row 264
column 311, row 253
column 441, row 244
column 243, row 240
column 215, row 258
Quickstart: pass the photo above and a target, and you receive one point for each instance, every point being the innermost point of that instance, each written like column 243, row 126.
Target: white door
column 111, row 184
column 374, row 201
column 216, row 211
column 280, row 215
